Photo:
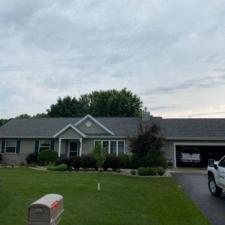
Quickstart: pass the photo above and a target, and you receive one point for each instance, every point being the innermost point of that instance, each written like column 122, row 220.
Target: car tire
column 213, row 188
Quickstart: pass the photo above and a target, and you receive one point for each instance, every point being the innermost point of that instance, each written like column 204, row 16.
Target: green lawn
column 122, row 200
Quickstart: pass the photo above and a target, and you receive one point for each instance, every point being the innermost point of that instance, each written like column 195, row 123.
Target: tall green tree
column 147, row 147
column 98, row 103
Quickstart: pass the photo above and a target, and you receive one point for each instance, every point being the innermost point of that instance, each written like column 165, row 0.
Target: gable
column 89, row 127
column 69, row 133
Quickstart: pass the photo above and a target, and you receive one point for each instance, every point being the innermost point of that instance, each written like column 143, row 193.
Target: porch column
column 59, row 147
column 80, row 147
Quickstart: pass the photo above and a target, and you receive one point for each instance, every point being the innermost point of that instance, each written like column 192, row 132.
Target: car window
column 222, row 162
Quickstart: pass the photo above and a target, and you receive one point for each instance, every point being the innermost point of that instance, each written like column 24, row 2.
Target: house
column 77, row 136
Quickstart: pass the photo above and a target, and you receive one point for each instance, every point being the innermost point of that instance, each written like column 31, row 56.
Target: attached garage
column 197, row 154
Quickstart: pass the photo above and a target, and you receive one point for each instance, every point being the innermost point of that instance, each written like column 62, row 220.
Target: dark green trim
column 52, row 145
column 3, row 146
column 36, row 146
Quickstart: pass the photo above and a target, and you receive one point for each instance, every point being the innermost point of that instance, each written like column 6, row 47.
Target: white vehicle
column 190, row 155
column 216, row 177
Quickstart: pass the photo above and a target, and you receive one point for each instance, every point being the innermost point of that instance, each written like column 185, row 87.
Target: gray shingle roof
column 193, row 128
column 120, row 126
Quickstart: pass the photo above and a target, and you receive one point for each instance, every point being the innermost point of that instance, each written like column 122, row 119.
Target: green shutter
column 36, row 146
column 52, row 145
column 3, row 146
column 18, row 146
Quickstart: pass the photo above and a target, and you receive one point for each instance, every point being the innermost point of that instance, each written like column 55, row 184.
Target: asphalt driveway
column 196, row 186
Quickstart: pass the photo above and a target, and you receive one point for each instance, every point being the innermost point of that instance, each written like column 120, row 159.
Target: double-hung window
column 10, row 146
column 44, row 145
column 112, row 146
column 121, row 147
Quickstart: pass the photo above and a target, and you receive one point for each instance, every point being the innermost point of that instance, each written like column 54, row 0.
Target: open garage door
column 197, row 155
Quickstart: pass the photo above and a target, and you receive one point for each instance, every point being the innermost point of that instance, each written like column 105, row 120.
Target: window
column 44, row 145
column 10, row 146
column 113, row 147
column 222, row 162
column 120, row 147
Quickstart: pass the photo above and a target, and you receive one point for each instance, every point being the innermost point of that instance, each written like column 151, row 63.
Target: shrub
column 154, row 159
column 112, row 162
column 61, row 167
column 63, row 161
column 147, row 171
column 31, row 158
column 75, row 162
column 88, row 161
column 0, row 157
column 124, row 161
column 135, row 162
column 160, row 171
column 47, row 156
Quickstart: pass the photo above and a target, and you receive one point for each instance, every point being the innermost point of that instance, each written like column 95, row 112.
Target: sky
column 170, row 53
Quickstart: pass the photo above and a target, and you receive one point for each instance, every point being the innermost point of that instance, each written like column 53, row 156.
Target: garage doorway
column 197, row 154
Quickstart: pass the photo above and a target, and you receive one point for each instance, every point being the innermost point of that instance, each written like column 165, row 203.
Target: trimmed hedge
column 88, row 161
column 151, row 171
column 32, row 158
column 47, row 156
column 60, row 167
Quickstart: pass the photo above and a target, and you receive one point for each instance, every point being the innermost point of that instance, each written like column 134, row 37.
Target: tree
column 98, row 103
column 3, row 121
column 66, row 107
column 24, row 116
column 146, row 147
column 99, row 155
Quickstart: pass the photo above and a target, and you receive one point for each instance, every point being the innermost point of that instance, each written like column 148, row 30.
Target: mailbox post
column 46, row 210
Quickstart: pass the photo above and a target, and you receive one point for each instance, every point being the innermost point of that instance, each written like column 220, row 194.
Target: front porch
column 69, row 147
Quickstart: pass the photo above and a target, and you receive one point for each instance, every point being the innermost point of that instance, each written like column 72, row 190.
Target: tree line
column 115, row 103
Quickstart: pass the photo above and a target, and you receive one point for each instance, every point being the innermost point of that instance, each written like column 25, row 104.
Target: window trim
column 109, row 145
column 42, row 140
column 13, row 146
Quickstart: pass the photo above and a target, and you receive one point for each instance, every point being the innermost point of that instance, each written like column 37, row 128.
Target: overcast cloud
column 170, row 53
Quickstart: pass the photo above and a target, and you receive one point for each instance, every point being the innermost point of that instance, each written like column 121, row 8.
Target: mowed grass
column 122, row 200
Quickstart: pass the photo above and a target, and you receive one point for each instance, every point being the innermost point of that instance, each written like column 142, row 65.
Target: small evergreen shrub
column 124, row 161
column 60, row 167
column 160, row 171
column 147, row 171
column 75, row 162
column 112, row 162
column 88, row 161
column 47, row 156
column 31, row 158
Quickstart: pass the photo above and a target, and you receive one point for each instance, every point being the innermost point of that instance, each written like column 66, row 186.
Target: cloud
column 56, row 48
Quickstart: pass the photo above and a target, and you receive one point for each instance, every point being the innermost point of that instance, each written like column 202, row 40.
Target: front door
column 74, row 148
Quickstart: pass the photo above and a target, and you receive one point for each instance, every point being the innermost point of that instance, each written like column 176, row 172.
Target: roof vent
column 145, row 115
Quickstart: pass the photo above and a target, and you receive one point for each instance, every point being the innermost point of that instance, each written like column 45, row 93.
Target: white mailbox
column 46, row 210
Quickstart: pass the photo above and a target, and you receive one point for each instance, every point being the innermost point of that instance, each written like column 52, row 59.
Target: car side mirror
column 215, row 166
